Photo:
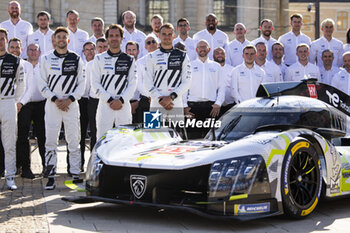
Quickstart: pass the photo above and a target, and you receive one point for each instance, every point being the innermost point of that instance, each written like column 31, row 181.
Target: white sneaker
column 11, row 183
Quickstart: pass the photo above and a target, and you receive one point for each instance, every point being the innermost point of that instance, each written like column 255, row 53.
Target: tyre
column 301, row 182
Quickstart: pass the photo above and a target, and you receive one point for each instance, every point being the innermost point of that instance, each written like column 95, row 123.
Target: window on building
column 160, row 7
column 226, row 12
column 342, row 20
column 307, row 23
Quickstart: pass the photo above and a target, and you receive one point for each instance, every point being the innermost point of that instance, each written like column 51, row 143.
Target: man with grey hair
column 214, row 36
column 266, row 28
column 326, row 42
column 97, row 26
column 77, row 37
column 16, row 27
column 132, row 34
column 328, row 70
column 234, row 49
column 342, row 78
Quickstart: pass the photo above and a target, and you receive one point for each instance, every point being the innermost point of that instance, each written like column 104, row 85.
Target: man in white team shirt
column 266, row 28
column 183, row 27
column 272, row 71
column 292, row 39
column 302, row 68
column 234, row 49
column 341, row 80
column 214, row 36
column 97, row 26
column 247, row 76
column 43, row 35
column 132, row 34
column 277, row 57
column 328, row 70
column 16, row 27
column 327, row 41
column 156, row 23
column 77, row 37
column 226, row 79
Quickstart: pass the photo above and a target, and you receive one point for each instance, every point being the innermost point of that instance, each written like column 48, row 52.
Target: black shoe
column 27, row 173
column 18, row 170
column 50, row 185
column 2, row 173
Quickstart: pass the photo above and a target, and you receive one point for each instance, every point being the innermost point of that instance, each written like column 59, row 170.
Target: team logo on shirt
column 152, row 120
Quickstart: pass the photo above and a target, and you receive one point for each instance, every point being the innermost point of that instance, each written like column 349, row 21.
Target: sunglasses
column 151, row 42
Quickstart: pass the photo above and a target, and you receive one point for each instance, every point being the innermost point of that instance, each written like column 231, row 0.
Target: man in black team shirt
column 62, row 84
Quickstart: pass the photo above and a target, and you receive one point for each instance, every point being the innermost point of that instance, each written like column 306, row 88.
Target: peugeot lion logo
column 138, row 185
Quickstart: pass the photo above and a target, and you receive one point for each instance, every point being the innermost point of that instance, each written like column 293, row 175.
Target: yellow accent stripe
column 144, row 157
column 278, row 151
column 268, row 94
column 308, row 211
column 298, row 146
column 306, row 163
column 310, row 170
column 237, row 197
column 71, row 185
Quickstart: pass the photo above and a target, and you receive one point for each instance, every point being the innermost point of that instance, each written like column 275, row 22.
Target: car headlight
column 93, row 169
column 237, row 176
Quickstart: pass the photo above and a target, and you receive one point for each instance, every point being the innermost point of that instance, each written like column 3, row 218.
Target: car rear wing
column 309, row 88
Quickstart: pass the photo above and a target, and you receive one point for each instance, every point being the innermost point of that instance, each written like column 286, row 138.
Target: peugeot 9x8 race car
column 275, row 154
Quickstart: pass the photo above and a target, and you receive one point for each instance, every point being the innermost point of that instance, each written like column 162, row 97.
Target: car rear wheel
column 301, row 179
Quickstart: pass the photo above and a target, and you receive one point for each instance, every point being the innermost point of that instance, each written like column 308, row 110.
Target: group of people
column 64, row 76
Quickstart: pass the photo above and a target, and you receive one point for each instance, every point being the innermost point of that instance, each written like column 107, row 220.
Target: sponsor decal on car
column 138, row 185
column 242, row 209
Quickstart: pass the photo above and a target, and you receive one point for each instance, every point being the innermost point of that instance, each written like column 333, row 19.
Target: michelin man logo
column 152, row 120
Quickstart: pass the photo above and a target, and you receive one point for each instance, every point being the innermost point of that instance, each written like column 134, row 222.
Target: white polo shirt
column 21, row 30
column 321, row 44
column 341, row 81
column 246, row 81
column 77, row 40
column 326, row 76
column 234, row 52
column 290, row 42
column 94, row 39
column 268, row 43
column 190, row 47
column 297, row 72
column 282, row 67
column 32, row 93
column 43, row 40
column 206, row 82
column 136, row 36
column 218, row 39
column 226, row 78
column 272, row 72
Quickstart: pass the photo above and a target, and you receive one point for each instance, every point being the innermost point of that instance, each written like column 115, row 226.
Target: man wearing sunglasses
column 183, row 27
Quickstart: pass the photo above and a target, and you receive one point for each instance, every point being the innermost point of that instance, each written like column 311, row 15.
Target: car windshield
column 240, row 122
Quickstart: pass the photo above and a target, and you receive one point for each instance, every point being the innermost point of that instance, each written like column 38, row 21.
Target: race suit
column 167, row 72
column 113, row 77
column 62, row 78
column 12, row 86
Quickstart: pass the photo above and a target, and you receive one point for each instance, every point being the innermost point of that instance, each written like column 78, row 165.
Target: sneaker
column 27, row 173
column 11, row 183
column 50, row 185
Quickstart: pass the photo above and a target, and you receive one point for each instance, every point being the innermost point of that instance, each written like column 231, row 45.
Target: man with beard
column 266, row 28
column 234, row 49
column 132, row 34
column 225, row 76
column 97, row 26
column 10, row 95
column 62, row 84
column 114, row 82
column 32, row 109
column 77, row 37
column 341, row 79
column 272, row 71
column 16, row 27
column 215, row 37
column 302, row 68
column 326, row 42
column 43, row 35
column 183, row 27
column 328, row 70
column 277, row 56
column 247, row 77
column 206, row 93
column 292, row 39
column 167, row 76
column 156, row 23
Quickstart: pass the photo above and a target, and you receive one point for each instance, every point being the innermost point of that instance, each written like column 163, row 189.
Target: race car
column 275, row 154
